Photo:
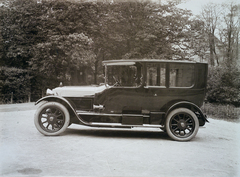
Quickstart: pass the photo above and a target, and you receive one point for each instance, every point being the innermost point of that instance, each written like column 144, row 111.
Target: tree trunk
column 211, row 48
column 96, row 65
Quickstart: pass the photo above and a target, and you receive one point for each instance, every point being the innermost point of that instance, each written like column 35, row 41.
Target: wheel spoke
column 44, row 122
column 47, row 125
column 55, row 111
column 184, row 115
column 184, row 132
column 176, row 120
column 179, row 117
column 175, row 129
column 180, row 133
column 60, row 120
column 52, row 126
column 57, row 125
column 188, row 124
column 58, row 115
column 49, row 110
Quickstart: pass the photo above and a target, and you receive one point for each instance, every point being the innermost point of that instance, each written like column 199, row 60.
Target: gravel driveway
column 85, row 151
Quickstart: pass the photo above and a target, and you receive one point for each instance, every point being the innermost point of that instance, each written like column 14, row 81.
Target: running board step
column 119, row 125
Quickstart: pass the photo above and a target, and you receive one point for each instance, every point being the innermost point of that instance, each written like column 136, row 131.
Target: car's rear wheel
column 51, row 118
column 182, row 124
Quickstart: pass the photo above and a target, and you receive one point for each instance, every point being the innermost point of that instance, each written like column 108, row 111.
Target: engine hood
column 78, row 91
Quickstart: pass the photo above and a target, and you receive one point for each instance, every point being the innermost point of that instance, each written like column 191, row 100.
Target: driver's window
column 127, row 76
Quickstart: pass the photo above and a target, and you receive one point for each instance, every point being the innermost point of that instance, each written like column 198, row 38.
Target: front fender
column 202, row 118
column 53, row 98
column 66, row 103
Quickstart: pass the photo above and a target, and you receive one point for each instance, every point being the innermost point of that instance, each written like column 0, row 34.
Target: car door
column 155, row 88
column 125, row 91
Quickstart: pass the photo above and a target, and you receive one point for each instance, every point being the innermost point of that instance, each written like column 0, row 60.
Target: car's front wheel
column 182, row 124
column 52, row 118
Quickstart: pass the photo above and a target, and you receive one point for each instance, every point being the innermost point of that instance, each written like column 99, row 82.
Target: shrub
column 226, row 112
column 224, row 85
column 14, row 81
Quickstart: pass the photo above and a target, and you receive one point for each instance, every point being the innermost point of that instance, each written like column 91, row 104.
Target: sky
column 196, row 5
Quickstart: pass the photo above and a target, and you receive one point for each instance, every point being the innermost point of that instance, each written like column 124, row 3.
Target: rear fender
column 185, row 104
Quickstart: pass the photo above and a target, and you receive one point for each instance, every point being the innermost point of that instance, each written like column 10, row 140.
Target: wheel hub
column 182, row 124
column 51, row 118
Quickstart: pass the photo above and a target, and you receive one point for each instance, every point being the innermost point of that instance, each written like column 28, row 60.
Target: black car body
column 149, row 93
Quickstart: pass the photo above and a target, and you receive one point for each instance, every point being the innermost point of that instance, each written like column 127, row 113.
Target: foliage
column 210, row 15
column 224, row 85
column 16, row 81
column 117, row 30
column 199, row 40
column 221, row 24
column 59, row 40
column 226, row 112
column 230, row 34
column 19, row 32
column 61, row 56
column 147, row 30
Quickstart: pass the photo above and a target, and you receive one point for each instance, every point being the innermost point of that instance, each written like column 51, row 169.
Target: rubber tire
column 59, row 106
column 172, row 113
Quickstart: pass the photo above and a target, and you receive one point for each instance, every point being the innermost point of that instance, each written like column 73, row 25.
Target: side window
column 125, row 76
column 156, row 74
column 181, row 75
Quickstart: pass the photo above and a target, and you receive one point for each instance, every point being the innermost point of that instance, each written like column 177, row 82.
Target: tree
column 148, row 30
column 14, row 81
column 230, row 34
column 19, row 32
column 199, row 40
column 62, row 58
column 210, row 15
column 57, row 40
column 222, row 24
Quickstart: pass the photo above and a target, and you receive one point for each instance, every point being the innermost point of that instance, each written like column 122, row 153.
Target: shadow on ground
column 113, row 133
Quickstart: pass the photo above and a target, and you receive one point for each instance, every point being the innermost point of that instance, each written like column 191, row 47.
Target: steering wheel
column 117, row 83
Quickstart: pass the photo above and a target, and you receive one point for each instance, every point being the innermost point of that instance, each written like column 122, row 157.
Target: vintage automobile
column 150, row 93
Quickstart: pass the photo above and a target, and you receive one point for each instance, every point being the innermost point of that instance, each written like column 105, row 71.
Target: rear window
column 181, row 75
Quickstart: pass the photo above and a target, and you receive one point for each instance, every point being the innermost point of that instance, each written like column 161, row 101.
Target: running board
column 119, row 125
column 110, row 115
column 124, row 124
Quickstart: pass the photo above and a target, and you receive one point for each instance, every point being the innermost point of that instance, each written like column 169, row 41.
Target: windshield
column 122, row 75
